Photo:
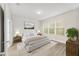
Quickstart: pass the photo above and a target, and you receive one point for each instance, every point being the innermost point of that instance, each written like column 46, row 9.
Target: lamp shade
column 17, row 33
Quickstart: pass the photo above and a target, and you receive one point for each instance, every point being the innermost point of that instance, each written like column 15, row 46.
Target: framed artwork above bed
column 28, row 26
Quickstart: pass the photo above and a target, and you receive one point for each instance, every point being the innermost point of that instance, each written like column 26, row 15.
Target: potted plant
column 72, row 34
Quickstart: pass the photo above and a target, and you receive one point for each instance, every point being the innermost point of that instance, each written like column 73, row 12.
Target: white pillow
column 29, row 33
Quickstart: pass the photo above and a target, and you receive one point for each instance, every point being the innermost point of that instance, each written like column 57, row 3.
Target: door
column 1, row 30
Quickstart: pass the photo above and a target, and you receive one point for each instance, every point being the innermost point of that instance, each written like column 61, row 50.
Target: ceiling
column 44, row 10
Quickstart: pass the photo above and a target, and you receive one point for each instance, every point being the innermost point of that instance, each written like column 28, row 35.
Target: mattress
column 33, row 43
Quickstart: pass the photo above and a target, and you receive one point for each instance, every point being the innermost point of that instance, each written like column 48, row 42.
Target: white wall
column 69, row 19
column 18, row 23
column 77, row 16
column 8, row 26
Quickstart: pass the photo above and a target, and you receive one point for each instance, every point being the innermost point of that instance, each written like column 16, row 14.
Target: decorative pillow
column 29, row 33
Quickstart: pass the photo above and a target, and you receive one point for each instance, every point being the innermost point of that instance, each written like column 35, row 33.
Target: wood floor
column 51, row 49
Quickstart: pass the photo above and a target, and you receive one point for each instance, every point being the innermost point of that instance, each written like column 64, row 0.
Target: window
column 52, row 28
column 60, row 31
column 45, row 28
column 59, row 28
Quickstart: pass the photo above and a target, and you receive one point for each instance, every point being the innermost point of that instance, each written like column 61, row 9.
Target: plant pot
column 73, row 39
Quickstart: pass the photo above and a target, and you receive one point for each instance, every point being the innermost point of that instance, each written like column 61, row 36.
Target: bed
column 33, row 42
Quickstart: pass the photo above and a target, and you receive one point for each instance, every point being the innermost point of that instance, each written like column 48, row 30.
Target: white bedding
column 33, row 41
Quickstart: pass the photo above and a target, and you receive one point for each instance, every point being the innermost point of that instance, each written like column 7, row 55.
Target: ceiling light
column 38, row 12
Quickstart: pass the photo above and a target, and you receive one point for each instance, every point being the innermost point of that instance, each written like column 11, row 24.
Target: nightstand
column 17, row 39
column 72, row 48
